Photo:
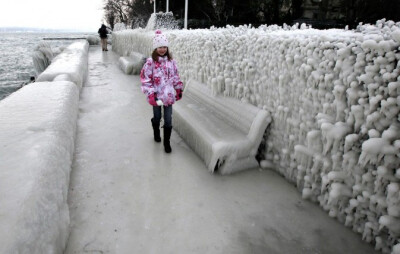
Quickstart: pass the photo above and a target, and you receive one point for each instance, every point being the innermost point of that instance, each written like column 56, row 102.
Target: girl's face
column 162, row 50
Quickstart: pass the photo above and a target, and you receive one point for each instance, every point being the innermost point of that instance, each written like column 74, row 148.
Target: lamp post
column 186, row 14
column 154, row 1
column 167, row 6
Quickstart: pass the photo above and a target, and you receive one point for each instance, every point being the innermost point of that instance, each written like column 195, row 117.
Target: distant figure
column 103, row 36
column 162, row 85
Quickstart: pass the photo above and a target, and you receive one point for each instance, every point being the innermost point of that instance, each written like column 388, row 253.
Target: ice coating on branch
column 374, row 149
column 333, row 134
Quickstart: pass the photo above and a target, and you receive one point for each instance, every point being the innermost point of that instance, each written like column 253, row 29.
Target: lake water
column 16, row 65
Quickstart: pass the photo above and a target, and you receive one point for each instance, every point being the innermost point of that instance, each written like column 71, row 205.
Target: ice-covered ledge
column 37, row 131
column 70, row 65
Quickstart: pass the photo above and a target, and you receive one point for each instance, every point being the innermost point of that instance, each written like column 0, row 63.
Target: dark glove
column 152, row 100
column 178, row 94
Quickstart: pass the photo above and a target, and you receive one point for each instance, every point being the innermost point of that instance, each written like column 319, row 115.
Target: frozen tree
column 138, row 12
column 115, row 12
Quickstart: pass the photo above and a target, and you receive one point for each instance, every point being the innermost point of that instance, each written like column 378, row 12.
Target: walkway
column 127, row 196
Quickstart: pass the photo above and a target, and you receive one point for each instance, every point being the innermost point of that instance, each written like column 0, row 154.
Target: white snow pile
column 334, row 97
column 37, row 131
column 70, row 65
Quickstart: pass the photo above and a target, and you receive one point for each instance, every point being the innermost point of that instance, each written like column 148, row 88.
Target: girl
column 162, row 85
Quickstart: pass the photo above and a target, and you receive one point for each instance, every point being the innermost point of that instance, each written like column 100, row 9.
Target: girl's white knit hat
column 160, row 40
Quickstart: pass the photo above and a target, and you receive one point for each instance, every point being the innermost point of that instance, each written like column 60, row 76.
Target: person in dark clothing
column 103, row 36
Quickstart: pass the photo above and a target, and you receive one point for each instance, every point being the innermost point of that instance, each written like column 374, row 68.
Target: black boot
column 167, row 136
column 156, row 130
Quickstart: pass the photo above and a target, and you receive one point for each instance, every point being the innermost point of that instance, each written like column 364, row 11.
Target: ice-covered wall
column 334, row 96
column 37, row 132
column 37, row 137
column 70, row 65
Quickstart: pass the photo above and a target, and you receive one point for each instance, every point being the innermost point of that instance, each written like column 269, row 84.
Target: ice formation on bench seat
column 224, row 132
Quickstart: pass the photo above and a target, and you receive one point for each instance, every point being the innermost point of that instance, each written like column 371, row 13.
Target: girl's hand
column 178, row 94
column 152, row 100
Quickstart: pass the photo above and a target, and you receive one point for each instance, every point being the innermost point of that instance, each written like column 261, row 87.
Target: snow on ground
column 334, row 96
column 37, row 132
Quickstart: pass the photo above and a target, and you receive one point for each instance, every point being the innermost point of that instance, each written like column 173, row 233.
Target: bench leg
column 167, row 136
column 156, row 130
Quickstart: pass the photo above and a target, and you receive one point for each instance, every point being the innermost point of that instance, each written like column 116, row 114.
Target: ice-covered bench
column 224, row 132
column 132, row 64
column 37, row 131
column 69, row 65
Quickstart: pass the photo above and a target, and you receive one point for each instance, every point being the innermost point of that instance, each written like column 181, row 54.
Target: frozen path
column 127, row 196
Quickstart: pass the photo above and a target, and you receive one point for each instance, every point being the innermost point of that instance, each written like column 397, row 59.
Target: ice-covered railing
column 70, row 65
column 37, row 133
column 43, row 53
column 334, row 96
column 37, row 128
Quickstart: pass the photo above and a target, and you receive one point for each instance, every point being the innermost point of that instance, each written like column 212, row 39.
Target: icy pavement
column 128, row 196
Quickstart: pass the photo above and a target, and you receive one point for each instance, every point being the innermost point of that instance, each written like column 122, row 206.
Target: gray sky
column 81, row 15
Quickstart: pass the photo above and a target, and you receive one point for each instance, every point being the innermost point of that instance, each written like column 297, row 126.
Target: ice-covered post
column 186, row 14
column 154, row 1
column 167, row 6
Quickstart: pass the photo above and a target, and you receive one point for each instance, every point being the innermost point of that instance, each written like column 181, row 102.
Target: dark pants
column 167, row 115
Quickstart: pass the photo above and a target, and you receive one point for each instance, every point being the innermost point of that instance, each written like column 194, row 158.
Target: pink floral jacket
column 161, row 78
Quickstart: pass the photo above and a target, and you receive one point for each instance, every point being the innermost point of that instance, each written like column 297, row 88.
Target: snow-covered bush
column 334, row 96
